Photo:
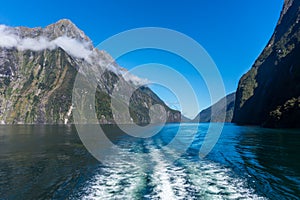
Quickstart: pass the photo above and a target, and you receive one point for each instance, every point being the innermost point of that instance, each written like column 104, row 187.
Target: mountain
column 207, row 116
column 185, row 119
column 38, row 67
column 269, row 93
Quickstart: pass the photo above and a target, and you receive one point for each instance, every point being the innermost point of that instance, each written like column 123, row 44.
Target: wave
column 146, row 170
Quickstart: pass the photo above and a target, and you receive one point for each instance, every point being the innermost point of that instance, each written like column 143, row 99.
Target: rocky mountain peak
column 65, row 27
column 62, row 28
column 63, row 34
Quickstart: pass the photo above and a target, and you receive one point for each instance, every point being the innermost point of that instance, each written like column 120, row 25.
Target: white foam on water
column 122, row 179
column 211, row 180
column 185, row 179
column 169, row 181
column 161, row 177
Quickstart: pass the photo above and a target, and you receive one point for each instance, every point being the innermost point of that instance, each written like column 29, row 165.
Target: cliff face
column 206, row 115
column 38, row 67
column 268, row 94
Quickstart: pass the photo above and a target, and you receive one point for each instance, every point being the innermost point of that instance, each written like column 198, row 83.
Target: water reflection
column 271, row 157
column 36, row 162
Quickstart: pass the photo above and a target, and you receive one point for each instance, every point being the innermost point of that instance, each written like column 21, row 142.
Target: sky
column 233, row 32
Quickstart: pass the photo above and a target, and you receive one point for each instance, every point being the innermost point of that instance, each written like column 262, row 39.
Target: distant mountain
column 185, row 119
column 269, row 93
column 207, row 116
column 38, row 67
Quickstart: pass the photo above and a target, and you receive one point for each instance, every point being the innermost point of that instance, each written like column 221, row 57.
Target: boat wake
column 144, row 170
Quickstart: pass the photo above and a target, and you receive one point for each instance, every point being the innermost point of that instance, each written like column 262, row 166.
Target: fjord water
column 50, row 162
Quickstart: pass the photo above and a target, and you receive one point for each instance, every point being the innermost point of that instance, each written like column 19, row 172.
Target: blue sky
column 233, row 32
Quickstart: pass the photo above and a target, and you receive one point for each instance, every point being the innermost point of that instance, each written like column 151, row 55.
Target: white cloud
column 129, row 77
column 134, row 79
column 7, row 40
column 72, row 46
column 37, row 44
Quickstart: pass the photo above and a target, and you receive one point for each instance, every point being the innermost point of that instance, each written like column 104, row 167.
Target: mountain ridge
column 224, row 105
column 269, row 93
column 38, row 67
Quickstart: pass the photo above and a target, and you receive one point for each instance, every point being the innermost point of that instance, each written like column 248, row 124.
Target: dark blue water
column 50, row 162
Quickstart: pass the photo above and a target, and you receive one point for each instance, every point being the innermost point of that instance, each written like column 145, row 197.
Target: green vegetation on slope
column 274, row 80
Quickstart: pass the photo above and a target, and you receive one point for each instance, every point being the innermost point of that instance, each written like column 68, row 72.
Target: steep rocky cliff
column 268, row 94
column 206, row 115
column 38, row 67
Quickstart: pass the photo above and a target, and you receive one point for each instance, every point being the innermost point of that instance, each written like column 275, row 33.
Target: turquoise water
column 50, row 162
